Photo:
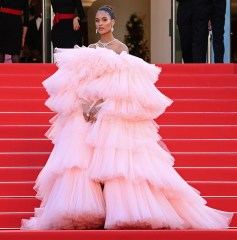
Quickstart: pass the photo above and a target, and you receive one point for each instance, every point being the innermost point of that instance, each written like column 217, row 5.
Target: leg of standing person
column 218, row 25
column 15, row 58
column 201, row 13
column 2, row 57
column 185, row 25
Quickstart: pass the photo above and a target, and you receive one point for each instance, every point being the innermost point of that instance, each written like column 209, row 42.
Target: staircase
column 200, row 130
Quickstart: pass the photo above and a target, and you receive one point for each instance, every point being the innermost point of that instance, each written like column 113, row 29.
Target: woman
column 104, row 135
column 12, row 28
column 66, row 25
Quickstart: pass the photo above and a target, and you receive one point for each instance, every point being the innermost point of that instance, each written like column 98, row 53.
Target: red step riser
column 25, row 69
column 40, row 118
column 224, row 189
column 28, row 204
column 198, row 132
column 200, row 92
column 178, row 106
column 230, row 234
column 184, row 80
column 172, row 118
column 205, row 159
column 23, row 80
column 167, row 132
column 181, row 160
column 165, row 119
column 176, row 145
column 23, row 93
column 172, row 92
column 197, row 68
column 191, row 105
column 166, row 68
column 25, row 105
column 214, row 188
column 23, row 159
column 25, row 145
column 18, row 204
column 202, row 145
column 189, row 174
column 207, row 174
column 13, row 220
column 23, row 131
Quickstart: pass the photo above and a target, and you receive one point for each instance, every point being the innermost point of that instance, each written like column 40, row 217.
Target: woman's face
column 103, row 22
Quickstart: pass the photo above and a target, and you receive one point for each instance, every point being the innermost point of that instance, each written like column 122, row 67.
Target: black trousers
column 203, row 11
column 185, row 26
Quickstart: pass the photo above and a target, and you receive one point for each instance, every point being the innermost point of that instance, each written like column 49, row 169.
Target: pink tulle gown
column 112, row 173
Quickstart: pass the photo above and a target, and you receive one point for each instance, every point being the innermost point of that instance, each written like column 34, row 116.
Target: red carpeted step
column 23, row 93
column 214, row 188
column 12, row 220
column 203, row 105
column 197, row 118
column 197, row 80
column 205, row 159
column 23, row 105
column 19, row 174
column 198, row 68
column 200, row 92
column 23, row 131
column 208, row 173
column 166, row 68
column 25, row 145
column 167, row 132
column 17, row 189
column 18, row 204
column 197, row 132
column 23, row 159
column 174, row 145
column 29, row 159
column 22, row 80
column 14, row 174
column 197, row 105
column 29, row 68
column 24, row 118
column 224, row 204
column 201, row 145
column 28, row 204
column 172, row 92
column 229, row 234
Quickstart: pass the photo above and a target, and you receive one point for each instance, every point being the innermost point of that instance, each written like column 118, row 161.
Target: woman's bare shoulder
column 122, row 47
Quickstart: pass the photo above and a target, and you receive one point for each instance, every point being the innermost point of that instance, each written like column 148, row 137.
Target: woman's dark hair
column 107, row 9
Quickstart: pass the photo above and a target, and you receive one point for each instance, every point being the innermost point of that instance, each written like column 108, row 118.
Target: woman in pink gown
column 107, row 168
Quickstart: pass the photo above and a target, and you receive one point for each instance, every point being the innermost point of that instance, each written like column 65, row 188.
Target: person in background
column 66, row 24
column 203, row 12
column 34, row 38
column 185, row 26
column 12, row 28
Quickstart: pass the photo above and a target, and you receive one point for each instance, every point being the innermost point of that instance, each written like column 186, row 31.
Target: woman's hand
column 76, row 24
column 90, row 115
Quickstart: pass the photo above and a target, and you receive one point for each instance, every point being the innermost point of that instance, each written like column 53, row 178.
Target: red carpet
column 200, row 129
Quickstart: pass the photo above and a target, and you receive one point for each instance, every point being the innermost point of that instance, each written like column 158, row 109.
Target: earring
column 112, row 29
column 96, row 31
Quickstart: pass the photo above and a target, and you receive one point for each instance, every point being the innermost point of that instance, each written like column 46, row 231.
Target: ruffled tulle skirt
column 114, row 173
